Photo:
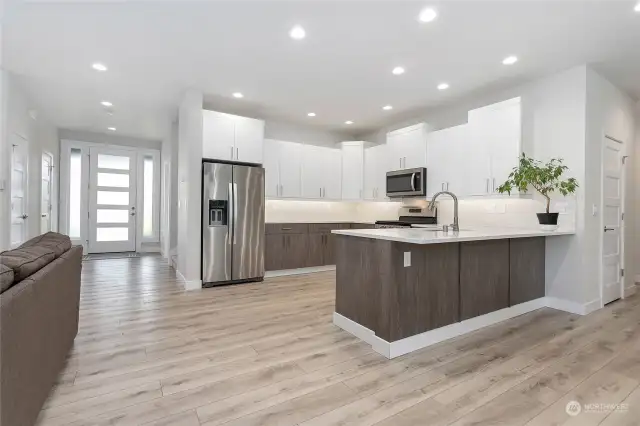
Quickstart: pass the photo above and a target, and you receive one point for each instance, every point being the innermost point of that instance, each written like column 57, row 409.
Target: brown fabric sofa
column 39, row 304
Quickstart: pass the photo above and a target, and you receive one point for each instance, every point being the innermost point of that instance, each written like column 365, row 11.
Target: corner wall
column 189, row 188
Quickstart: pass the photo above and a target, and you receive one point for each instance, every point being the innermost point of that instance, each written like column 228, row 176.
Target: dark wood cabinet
column 294, row 253
column 329, row 249
column 315, row 253
column 273, row 251
column 527, row 269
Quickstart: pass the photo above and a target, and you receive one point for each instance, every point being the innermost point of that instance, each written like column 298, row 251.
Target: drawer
column 327, row 227
column 286, row 228
column 362, row 226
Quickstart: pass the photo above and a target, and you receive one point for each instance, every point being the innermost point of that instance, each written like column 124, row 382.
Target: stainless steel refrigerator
column 232, row 223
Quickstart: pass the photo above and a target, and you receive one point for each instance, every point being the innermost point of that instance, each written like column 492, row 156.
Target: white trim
column 189, row 285
column 629, row 291
column 431, row 337
column 299, row 271
column 637, row 280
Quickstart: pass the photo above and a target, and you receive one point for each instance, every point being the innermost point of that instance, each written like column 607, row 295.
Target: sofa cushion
column 28, row 260
column 6, row 277
column 59, row 243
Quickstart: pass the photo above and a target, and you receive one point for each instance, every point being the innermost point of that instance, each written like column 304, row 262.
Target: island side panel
column 484, row 277
column 424, row 295
column 362, row 266
column 527, row 269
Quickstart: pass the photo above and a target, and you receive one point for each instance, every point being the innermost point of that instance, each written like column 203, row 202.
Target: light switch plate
column 407, row 259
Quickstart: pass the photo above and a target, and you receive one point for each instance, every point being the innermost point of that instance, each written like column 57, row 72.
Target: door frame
column 623, row 174
column 63, row 205
column 25, row 189
column 52, row 198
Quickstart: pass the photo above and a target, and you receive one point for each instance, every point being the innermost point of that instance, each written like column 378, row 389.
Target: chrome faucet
column 432, row 205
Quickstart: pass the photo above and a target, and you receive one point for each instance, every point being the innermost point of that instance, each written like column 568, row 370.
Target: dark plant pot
column 548, row 221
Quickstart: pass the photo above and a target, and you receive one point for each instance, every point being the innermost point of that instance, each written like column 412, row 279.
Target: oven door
column 407, row 183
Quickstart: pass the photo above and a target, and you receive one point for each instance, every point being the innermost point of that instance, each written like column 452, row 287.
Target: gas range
column 410, row 216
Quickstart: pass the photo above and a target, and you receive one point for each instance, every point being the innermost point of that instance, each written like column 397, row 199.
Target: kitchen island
column 404, row 289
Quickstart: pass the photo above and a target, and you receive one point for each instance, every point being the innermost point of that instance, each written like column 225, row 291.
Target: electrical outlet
column 407, row 259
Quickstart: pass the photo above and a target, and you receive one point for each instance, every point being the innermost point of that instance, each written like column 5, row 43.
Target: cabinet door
column 371, row 170
column 273, row 251
column 478, row 158
column 312, row 171
column 446, row 160
column 382, row 167
column 352, row 171
column 505, row 140
column 316, row 250
column 290, row 164
column 249, row 139
column 407, row 148
column 218, row 135
column 271, row 166
column 329, row 253
column 331, row 174
column 437, row 164
column 295, row 251
column 395, row 144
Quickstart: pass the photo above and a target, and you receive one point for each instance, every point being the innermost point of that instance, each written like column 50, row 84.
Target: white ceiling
column 341, row 71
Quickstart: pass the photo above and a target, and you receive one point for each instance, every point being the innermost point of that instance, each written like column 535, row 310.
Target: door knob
column 133, row 213
column 24, row 216
column 608, row 229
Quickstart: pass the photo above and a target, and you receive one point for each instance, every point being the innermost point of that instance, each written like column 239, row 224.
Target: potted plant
column 544, row 178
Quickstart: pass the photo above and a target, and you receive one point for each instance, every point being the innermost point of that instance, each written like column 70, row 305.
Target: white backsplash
column 499, row 212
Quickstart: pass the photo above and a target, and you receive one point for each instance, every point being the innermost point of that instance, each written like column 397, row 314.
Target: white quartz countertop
column 429, row 235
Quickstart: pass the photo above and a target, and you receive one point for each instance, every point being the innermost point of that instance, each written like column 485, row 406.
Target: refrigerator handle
column 232, row 217
column 235, row 210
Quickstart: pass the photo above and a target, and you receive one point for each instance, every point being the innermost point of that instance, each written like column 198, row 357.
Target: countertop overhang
column 431, row 236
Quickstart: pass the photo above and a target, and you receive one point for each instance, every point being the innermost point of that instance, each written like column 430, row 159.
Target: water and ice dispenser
column 218, row 212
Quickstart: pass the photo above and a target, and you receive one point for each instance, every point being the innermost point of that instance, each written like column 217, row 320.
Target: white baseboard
column 431, row 337
column 299, row 271
column 630, row 290
column 189, row 284
column 637, row 279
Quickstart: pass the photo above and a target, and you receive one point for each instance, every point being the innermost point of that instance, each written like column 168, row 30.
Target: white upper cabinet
column 282, row 163
column 447, row 160
column 218, row 135
column 376, row 166
column 249, row 140
column 321, row 172
column 494, row 145
column 407, row 147
column 352, row 170
column 232, row 138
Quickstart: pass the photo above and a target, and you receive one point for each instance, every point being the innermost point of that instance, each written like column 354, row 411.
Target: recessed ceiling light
column 387, row 107
column 443, row 86
column 106, row 103
column 297, row 33
column 398, row 70
column 312, row 114
column 427, row 14
column 348, row 122
column 510, row 60
column 637, row 8
column 99, row 67
column 113, row 129
column 238, row 95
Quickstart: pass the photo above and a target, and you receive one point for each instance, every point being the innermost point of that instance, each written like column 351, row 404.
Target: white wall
column 635, row 188
column 189, row 187
column 109, row 139
column 283, row 131
column 20, row 117
column 609, row 112
column 170, row 198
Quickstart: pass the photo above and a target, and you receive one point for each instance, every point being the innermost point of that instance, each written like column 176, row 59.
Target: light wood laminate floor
column 267, row 354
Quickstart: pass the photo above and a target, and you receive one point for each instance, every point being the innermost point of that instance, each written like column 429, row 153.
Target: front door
column 612, row 220
column 45, row 197
column 19, row 179
column 112, row 200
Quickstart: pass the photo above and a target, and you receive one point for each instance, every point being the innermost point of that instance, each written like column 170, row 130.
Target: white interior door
column 611, row 220
column 112, row 200
column 19, row 179
column 45, row 196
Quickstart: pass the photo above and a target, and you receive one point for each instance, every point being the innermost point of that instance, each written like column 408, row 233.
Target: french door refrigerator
column 232, row 223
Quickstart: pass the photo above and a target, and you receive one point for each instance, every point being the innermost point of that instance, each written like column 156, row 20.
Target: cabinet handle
column 494, row 185
column 320, row 192
column 231, row 152
column 287, row 229
column 487, row 191
column 400, row 162
column 447, row 186
column 442, row 186
column 237, row 153
column 281, row 190
column 277, row 190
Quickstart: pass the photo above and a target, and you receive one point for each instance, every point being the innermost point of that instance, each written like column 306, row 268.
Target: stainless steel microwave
column 407, row 183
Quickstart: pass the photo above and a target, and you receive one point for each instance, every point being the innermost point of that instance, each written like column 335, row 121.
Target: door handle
column 24, row 216
column 413, row 181
column 133, row 213
column 609, row 229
